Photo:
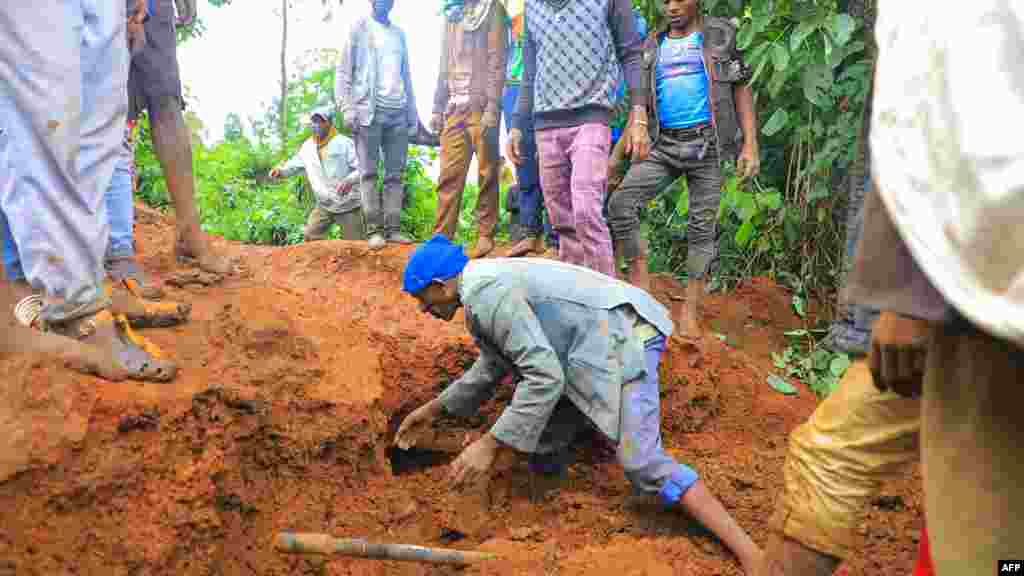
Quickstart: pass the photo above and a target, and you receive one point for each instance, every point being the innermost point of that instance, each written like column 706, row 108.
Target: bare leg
column 706, row 509
column 694, row 293
column 787, row 557
column 173, row 146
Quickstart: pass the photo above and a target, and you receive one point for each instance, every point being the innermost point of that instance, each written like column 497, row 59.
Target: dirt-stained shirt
column 563, row 330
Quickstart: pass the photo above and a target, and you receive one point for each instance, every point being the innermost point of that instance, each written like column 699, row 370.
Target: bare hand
column 638, row 146
column 416, row 424
column 474, row 463
column 514, row 147
column 437, row 123
column 899, row 346
column 749, row 162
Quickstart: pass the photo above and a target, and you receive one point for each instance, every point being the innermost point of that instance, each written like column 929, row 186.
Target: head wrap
column 436, row 261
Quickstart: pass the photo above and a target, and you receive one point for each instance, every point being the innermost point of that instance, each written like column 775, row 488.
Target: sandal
column 127, row 272
column 139, row 358
column 142, row 313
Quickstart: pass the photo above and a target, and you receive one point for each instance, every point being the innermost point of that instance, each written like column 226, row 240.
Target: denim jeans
column 531, row 199
column 388, row 136
column 121, row 210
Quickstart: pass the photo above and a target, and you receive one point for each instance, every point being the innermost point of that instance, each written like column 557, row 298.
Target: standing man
column 62, row 121
column 154, row 85
column 585, row 349
column 467, row 109
column 575, row 51
column 693, row 126
column 373, row 86
column 940, row 257
column 529, row 204
column 330, row 163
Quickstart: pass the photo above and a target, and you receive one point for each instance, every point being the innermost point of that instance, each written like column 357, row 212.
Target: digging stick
column 298, row 543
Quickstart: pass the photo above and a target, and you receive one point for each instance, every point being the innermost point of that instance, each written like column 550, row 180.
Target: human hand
column 416, row 424
column 899, row 346
column 749, row 162
column 437, row 123
column 275, row 173
column 638, row 146
column 514, row 147
column 474, row 463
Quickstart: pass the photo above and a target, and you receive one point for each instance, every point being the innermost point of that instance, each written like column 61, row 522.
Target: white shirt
column 390, row 86
column 947, row 147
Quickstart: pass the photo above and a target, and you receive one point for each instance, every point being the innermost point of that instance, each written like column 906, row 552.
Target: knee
column 620, row 209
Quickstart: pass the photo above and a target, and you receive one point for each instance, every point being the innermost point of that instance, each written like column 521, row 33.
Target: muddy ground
column 293, row 381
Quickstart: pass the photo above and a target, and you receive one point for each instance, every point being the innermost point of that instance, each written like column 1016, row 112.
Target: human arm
column 629, row 48
column 343, row 80
column 749, row 162
column 497, row 55
column 293, row 166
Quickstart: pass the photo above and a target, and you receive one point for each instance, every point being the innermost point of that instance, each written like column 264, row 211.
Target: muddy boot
column 484, row 246
column 638, row 274
column 527, row 246
column 376, row 241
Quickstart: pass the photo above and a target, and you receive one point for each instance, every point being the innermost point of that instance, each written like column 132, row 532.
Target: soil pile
column 293, row 381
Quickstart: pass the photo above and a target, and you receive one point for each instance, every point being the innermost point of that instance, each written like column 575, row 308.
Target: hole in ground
column 415, row 459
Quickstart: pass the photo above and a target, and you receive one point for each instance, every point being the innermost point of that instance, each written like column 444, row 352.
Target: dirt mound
column 293, row 382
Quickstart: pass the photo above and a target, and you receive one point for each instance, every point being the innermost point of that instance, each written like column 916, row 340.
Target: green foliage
column 820, row 369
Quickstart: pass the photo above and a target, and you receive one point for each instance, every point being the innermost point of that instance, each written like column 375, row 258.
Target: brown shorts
column 154, row 71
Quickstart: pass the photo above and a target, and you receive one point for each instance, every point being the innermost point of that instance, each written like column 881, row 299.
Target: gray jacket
column 355, row 81
column 562, row 329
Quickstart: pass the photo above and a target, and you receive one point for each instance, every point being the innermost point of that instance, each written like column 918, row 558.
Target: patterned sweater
column 574, row 53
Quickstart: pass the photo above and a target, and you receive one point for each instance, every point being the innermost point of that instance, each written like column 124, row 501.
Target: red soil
column 293, row 381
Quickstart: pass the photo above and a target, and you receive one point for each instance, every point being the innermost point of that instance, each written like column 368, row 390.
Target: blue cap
column 437, row 260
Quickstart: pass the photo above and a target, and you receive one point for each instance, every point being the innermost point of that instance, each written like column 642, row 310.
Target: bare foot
column 117, row 352
column 484, row 245
column 525, row 247
column 202, row 254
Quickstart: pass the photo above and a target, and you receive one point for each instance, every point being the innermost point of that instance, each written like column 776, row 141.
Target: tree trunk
column 283, row 110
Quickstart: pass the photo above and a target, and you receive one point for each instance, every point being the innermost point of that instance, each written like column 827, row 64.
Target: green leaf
column 780, row 57
column 798, row 306
column 840, row 363
column 781, row 385
column 776, row 122
column 817, row 79
column 842, row 27
column 744, row 234
column 745, row 35
column 802, row 32
column 771, row 200
column 800, row 333
column 820, row 191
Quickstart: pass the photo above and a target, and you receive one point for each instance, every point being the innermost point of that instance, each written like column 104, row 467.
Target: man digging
column 584, row 347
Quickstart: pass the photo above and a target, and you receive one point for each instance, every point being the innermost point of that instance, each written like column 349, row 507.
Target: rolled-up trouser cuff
column 677, row 485
column 633, row 246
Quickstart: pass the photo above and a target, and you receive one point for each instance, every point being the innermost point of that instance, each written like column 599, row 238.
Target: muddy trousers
column 649, row 468
column 319, row 223
column 689, row 152
column 857, row 438
column 966, row 430
column 63, row 105
column 464, row 136
column 386, row 138
column 574, row 178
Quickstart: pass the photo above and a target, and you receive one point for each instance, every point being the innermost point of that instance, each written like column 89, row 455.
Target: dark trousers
column 689, row 152
column 387, row 136
column 530, row 199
